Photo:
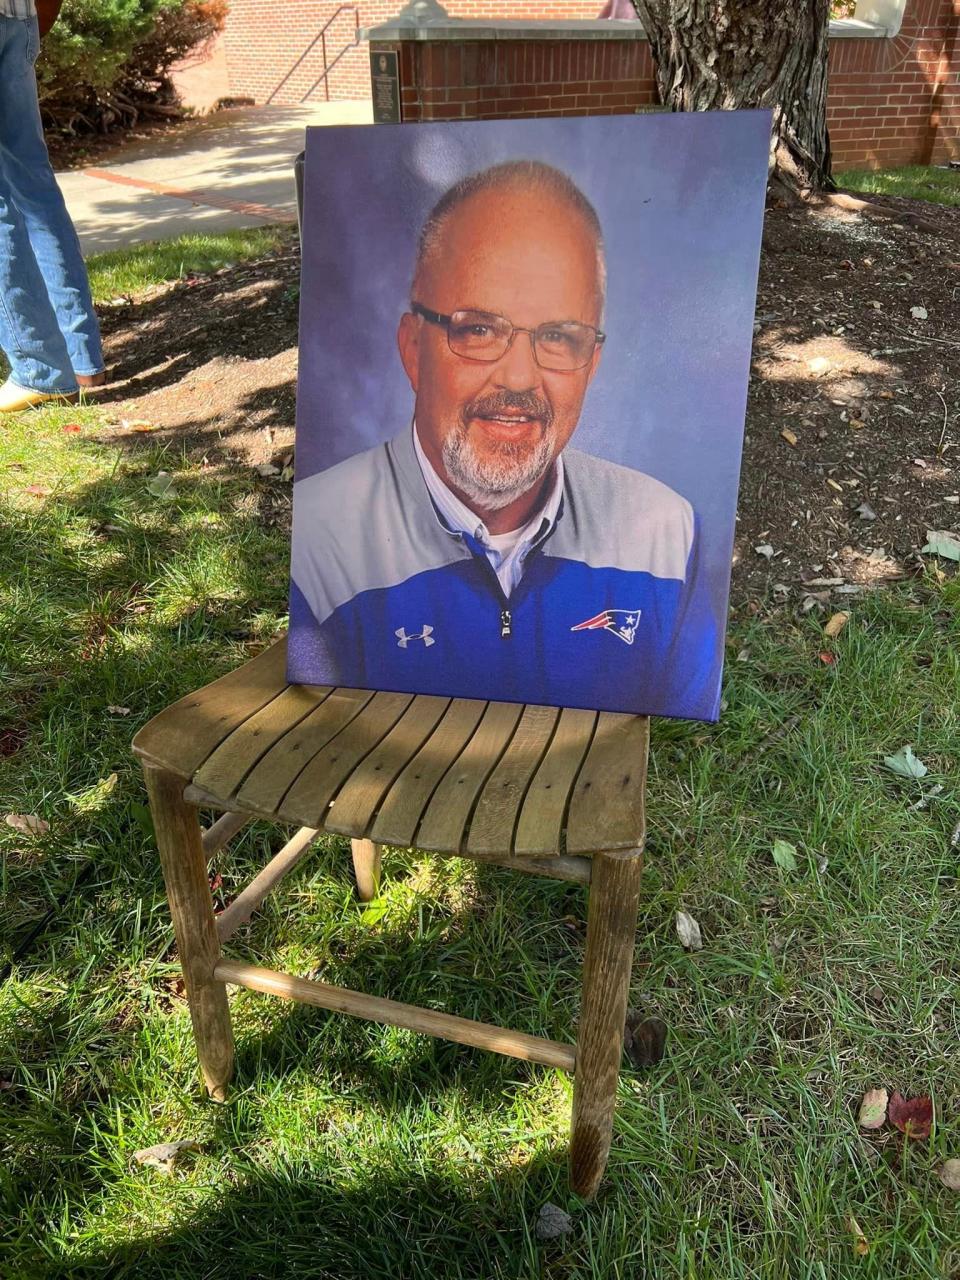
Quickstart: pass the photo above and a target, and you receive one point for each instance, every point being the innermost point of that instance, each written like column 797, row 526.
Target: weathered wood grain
column 513, row 1044
column 181, row 737
column 188, row 892
column 607, row 804
column 611, row 936
column 445, row 823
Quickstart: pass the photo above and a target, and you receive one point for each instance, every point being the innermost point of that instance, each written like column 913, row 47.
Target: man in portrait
column 477, row 552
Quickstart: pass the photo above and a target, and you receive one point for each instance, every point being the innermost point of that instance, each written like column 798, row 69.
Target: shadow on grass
column 409, row 1220
column 116, row 598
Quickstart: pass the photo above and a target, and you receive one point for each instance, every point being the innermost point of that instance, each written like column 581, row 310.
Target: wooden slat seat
column 542, row 790
column 494, row 780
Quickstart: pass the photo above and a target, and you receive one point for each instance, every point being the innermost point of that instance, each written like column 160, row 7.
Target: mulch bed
column 852, row 425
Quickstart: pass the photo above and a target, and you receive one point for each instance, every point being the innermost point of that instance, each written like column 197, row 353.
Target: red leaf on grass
column 912, row 1116
column 72, row 428
column 828, row 659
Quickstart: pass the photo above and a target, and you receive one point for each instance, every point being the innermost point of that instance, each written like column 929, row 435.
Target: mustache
column 526, row 402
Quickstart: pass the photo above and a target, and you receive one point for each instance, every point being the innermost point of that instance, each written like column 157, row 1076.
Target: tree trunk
column 714, row 55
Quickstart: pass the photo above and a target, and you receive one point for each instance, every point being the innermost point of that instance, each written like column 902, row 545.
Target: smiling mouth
column 510, row 419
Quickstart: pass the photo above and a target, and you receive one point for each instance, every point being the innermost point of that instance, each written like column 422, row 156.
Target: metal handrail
column 321, row 36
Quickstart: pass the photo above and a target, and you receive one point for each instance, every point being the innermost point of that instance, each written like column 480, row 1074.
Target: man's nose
column 517, row 368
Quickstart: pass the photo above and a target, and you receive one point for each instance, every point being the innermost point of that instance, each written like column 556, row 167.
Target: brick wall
column 897, row 101
column 268, row 53
column 891, row 101
column 486, row 79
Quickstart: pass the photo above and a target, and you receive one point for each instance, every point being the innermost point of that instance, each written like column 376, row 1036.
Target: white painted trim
column 856, row 29
column 882, row 13
column 859, row 27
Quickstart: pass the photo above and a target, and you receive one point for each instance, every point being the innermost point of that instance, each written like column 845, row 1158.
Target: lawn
column 918, row 181
column 350, row 1150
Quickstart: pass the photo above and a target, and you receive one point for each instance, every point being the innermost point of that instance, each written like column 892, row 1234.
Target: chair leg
column 184, row 864
column 366, row 868
column 611, row 934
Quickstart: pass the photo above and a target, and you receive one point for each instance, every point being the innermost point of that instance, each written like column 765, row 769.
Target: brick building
column 894, row 93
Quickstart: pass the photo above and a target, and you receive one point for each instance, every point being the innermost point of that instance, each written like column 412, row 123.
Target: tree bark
column 720, row 55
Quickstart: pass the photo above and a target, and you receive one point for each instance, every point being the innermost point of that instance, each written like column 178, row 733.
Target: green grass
column 917, row 181
column 350, row 1150
column 132, row 271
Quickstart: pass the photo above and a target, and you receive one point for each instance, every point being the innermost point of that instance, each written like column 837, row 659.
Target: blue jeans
column 48, row 328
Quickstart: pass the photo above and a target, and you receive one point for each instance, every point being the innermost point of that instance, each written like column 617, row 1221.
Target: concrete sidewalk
column 230, row 169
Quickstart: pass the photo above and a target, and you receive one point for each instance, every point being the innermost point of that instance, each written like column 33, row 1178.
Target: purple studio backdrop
column 406, row 575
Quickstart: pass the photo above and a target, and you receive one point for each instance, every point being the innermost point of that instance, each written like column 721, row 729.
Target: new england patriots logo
column 622, row 622
column 426, row 635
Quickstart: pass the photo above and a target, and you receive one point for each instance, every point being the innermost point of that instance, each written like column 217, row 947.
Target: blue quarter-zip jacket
column 385, row 596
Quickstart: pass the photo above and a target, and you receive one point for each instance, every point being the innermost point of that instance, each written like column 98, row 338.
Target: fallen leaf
column 860, row 1245
column 873, row 1109
column 71, row 428
column 912, row 1116
column 836, row 624
column 906, row 764
column 919, row 313
column 552, row 1222
column 827, row 658
column 789, row 436
column 644, row 1039
column 866, row 512
column 785, row 855
column 833, row 485
column 940, row 542
column 267, row 469
column 118, row 711
column 764, row 549
column 286, row 475
column 161, row 485
column 688, row 931
column 165, row 1155
column 27, row 824
column 949, row 1174
column 38, row 490
column 137, row 424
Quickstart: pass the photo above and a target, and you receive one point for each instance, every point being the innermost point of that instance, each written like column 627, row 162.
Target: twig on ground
column 919, row 337
column 781, row 731
column 943, row 433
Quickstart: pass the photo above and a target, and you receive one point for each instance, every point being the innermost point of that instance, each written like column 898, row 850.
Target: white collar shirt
column 506, row 552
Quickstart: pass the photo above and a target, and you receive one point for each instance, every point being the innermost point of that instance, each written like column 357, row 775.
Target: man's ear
column 408, row 340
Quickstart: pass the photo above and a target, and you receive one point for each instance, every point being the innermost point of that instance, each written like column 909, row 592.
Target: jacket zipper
column 506, row 624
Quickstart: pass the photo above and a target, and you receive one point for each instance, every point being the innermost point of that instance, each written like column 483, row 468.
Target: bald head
column 518, row 186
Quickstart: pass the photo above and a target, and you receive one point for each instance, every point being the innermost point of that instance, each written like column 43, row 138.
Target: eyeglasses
column 560, row 345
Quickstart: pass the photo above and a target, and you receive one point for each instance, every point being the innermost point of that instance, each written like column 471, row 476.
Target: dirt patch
column 852, row 436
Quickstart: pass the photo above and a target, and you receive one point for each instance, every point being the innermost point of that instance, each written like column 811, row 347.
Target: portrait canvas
column 524, row 352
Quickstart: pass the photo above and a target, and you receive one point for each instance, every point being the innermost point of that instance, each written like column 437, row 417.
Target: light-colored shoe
column 13, row 399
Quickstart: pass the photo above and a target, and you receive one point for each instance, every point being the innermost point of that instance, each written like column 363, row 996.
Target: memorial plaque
column 385, row 84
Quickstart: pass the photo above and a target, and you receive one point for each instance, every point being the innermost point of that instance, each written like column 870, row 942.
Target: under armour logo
column 622, row 622
column 426, row 635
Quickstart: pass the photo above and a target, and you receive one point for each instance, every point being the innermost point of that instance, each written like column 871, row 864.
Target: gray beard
column 493, row 484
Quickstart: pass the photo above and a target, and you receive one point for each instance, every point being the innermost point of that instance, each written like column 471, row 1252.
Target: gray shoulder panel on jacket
column 358, row 526
column 615, row 517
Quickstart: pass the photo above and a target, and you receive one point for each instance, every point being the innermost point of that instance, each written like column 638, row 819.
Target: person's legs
column 23, row 156
column 29, row 333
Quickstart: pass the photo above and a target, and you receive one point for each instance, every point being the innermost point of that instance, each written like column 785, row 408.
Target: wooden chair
column 557, row 793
